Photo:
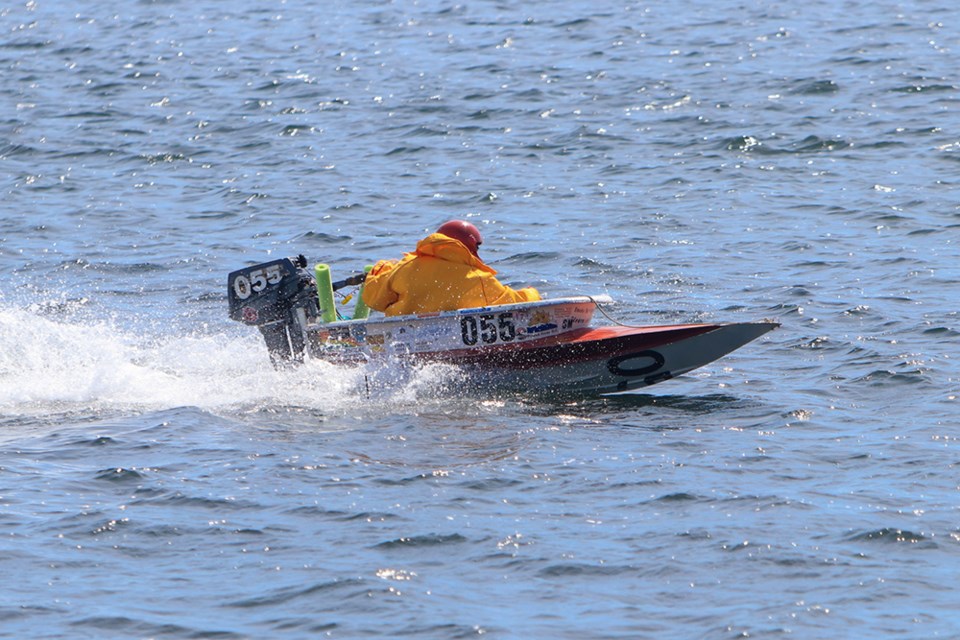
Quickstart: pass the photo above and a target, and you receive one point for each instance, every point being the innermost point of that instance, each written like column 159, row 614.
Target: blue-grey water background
column 717, row 161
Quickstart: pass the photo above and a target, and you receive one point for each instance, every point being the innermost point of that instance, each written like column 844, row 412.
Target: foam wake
column 52, row 365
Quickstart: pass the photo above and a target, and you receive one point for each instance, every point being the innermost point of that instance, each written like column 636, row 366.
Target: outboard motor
column 280, row 299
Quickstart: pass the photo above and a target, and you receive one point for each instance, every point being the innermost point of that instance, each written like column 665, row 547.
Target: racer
column 444, row 273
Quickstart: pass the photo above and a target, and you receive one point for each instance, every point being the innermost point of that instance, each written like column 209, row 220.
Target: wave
column 810, row 144
column 890, row 535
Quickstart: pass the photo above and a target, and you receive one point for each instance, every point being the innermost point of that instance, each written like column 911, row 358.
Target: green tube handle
column 328, row 309
column 361, row 311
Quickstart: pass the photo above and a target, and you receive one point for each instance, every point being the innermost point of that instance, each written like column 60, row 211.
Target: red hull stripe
column 578, row 345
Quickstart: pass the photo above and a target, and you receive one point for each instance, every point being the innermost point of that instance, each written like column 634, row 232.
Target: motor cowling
column 280, row 299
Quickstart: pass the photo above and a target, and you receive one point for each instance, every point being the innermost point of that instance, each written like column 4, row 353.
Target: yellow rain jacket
column 441, row 275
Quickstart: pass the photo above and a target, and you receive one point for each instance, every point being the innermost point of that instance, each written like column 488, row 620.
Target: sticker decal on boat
column 540, row 328
column 488, row 328
column 256, row 280
column 646, row 362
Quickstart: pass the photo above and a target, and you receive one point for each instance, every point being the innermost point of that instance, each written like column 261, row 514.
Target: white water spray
column 53, row 365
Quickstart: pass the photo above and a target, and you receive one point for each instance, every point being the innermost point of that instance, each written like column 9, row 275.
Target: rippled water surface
column 722, row 161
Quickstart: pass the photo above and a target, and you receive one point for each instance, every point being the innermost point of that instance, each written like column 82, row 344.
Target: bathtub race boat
column 545, row 347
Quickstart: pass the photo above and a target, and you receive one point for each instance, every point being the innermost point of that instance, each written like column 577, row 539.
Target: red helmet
column 463, row 231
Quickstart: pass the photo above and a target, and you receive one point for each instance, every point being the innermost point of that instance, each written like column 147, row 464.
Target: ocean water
column 720, row 161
